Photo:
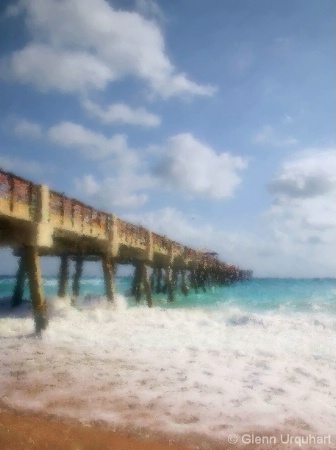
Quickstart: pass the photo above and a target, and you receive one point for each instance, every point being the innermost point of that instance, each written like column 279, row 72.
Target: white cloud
column 92, row 145
column 268, row 136
column 195, row 168
column 22, row 127
column 21, row 166
column 308, row 175
column 63, row 70
column 26, row 128
column 121, row 113
column 85, row 44
column 304, row 209
column 124, row 190
column 149, row 8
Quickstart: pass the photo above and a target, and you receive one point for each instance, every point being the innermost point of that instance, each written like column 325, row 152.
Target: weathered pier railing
column 37, row 221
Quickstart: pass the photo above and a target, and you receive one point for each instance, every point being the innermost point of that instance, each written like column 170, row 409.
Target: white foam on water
column 174, row 371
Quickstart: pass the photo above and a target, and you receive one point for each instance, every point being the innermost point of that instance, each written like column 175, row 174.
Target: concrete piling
column 32, row 263
column 169, row 284
column 63, row 278
column 184, row 287
column 136, row 284
column 146, row 284
column 158, row 288
column 175, row 273
column 76, row 278
column 109, row 277
column 20, row 281
column 141, row 283
column 193, row 281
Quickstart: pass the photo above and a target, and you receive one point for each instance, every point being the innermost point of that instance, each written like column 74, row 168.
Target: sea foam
column 178, row 371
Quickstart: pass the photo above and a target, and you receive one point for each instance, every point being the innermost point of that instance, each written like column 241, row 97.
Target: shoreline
column 24, row 430
column 27, row 431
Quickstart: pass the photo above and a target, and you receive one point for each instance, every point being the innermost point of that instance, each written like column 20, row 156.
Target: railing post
column 150, row 246
column 44, row 229
column 171, row 253
column 11, row 191
column 113, row 236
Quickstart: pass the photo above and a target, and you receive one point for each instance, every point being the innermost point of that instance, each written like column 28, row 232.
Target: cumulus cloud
column 121, row 113
column 268, row 136
column 64, row 70
column 195, row 168
column 26, row 128
column 124, row 190
column 22, row 127
column 78, row 45
column 89, row 143
column 22, row 166
column 304, row 193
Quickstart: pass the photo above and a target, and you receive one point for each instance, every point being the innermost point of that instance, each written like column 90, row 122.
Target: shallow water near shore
column 259, row 354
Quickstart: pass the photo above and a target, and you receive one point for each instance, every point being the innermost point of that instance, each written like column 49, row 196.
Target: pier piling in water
column 109, row 277
column 169, row 284
column 184, row 287
column 146, row 284
column 63, row 276
column 20, row 281
column 76, row 278
column 32, row 262
column 158, row 288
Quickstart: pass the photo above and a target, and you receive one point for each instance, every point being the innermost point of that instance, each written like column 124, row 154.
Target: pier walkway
column 36, row 221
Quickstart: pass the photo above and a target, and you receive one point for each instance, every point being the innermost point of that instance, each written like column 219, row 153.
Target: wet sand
column 27, row 431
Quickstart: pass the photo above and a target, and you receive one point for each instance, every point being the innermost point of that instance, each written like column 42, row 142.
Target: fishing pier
column 36, row 221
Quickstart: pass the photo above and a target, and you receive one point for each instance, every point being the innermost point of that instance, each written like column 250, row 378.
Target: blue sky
column 210, row 121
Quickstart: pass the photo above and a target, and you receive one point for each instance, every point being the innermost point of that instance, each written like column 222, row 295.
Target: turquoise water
column 256, row 295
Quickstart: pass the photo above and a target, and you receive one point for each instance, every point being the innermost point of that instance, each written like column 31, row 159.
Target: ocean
column 258, row 355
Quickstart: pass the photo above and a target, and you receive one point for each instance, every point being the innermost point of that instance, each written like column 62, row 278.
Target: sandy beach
column 30, row 431
column 25, row 432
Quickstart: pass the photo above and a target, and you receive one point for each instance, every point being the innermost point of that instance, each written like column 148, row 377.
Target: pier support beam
column 175, row 273
column 76, row 279
column 146, row 284
column 136, row 284
column 200, row 279
column 20, row 280
column 109, row 273
column 193, row 281
column 63, row 276
column 33, row 267
column 141, row 283
column 169, row 284
column 158, row 288
column 184, row 287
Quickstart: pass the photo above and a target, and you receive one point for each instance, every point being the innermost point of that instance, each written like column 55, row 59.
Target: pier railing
column 20, row 199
